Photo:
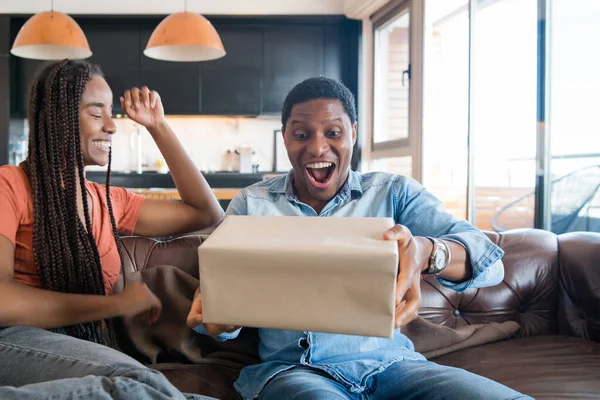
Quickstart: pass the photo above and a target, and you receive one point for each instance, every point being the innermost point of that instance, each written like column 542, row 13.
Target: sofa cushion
column 544, row 367
column 207, row 379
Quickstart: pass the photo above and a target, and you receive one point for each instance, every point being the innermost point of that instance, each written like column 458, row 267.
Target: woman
column 60, row 253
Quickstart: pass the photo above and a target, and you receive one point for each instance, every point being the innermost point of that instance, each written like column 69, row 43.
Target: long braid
column 112, row 216
column 65, row 251
column 116, row 235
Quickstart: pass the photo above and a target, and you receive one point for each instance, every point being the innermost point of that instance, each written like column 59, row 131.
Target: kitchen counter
column 165, row 181
column 222, row 194
column 225, row 185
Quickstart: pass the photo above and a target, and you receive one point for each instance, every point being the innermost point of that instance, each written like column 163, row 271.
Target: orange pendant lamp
column 185, row 37
column 51, row 35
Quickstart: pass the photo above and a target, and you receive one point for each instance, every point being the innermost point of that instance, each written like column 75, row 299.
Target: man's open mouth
column 320, row 173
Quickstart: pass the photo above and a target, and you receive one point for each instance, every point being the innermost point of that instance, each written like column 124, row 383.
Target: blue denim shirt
column 352, row 360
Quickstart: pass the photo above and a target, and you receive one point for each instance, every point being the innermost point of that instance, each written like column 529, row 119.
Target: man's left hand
column 413, row 259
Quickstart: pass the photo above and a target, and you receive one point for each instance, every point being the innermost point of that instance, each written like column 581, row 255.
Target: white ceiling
column 207, row 7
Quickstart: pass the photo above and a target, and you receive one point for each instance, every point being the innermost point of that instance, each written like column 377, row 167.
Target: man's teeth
column 319, row 165
column 103, row 144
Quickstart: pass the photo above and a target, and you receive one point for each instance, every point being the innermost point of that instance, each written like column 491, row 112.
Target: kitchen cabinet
column 116, row 51
column 233, row 85
column 178, row 83
column 25, row 71
column 292, row 54
column 266, row 57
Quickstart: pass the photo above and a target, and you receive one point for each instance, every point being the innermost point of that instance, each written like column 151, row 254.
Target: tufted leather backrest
column 141, row 252
column 528, row 293
column 579, row 294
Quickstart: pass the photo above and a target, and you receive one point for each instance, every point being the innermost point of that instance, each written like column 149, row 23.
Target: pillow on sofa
column 433, row 340
column 170, row 340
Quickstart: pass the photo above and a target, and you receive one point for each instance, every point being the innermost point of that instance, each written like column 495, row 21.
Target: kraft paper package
column 317, row 274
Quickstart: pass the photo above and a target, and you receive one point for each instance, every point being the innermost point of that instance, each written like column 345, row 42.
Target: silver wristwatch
column 439, row 259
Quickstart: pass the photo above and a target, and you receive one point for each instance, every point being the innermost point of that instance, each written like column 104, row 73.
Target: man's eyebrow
column 338, row 119
column 298, row 121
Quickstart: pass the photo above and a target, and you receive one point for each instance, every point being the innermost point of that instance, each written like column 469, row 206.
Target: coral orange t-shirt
column 16, row 223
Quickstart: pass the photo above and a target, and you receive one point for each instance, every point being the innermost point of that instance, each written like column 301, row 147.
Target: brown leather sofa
column 551, row 289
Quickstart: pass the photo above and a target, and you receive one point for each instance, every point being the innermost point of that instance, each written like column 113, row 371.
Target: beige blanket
column 170, row 340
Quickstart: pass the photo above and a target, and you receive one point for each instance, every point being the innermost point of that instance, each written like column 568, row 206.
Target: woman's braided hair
column 65, row 251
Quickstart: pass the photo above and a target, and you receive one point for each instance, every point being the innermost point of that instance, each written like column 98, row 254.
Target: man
column 319, row 131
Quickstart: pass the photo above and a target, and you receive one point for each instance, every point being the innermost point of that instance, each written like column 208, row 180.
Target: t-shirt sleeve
column 11, row 195
column 127, row 207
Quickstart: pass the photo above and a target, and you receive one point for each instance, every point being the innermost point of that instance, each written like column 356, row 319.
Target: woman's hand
column 137, row 300
column 144, row 107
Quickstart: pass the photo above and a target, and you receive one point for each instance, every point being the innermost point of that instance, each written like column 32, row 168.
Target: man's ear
column 354, row 132
column 283, row 134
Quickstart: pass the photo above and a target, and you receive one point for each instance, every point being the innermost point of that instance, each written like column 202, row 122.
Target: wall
column 206, row 139
column 209, row 7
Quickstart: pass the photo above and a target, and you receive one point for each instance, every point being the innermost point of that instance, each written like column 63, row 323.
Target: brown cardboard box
column 316, row 274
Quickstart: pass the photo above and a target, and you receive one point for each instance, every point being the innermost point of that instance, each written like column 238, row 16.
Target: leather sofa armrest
column 579, row 279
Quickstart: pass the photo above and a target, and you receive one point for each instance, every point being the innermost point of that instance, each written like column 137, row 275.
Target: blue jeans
column 37, row 364
column 402, row 380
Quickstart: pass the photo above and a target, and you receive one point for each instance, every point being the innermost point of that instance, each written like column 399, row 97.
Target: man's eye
column 334, row 133
column 301, row 136
column 97, row 116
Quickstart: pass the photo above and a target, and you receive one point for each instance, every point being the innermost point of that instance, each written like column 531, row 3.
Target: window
column 394, row 141
column 503, row 106
column 392, row 60
column 446, row 103
column 573, row 107
column 394, row 165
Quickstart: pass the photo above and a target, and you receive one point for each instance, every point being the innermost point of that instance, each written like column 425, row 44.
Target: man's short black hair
column 319, row 88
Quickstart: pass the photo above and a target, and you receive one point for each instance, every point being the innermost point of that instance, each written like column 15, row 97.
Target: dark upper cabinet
column 178, row 83
column 265, row 58
column 333, row 51
column 292, row 54
column 116, row 50
column 25, row 72
column 233, row 84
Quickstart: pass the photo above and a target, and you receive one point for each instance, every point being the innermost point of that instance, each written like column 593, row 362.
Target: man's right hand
column 194, row 318
column 138, row 300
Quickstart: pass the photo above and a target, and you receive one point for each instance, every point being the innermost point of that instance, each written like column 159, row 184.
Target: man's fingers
column 393, row 232
column 402, row 287
column 407, row 313
column 400, row 233
column 194, row 320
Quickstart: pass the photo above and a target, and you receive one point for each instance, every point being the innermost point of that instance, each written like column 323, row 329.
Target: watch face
column 440, row 260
